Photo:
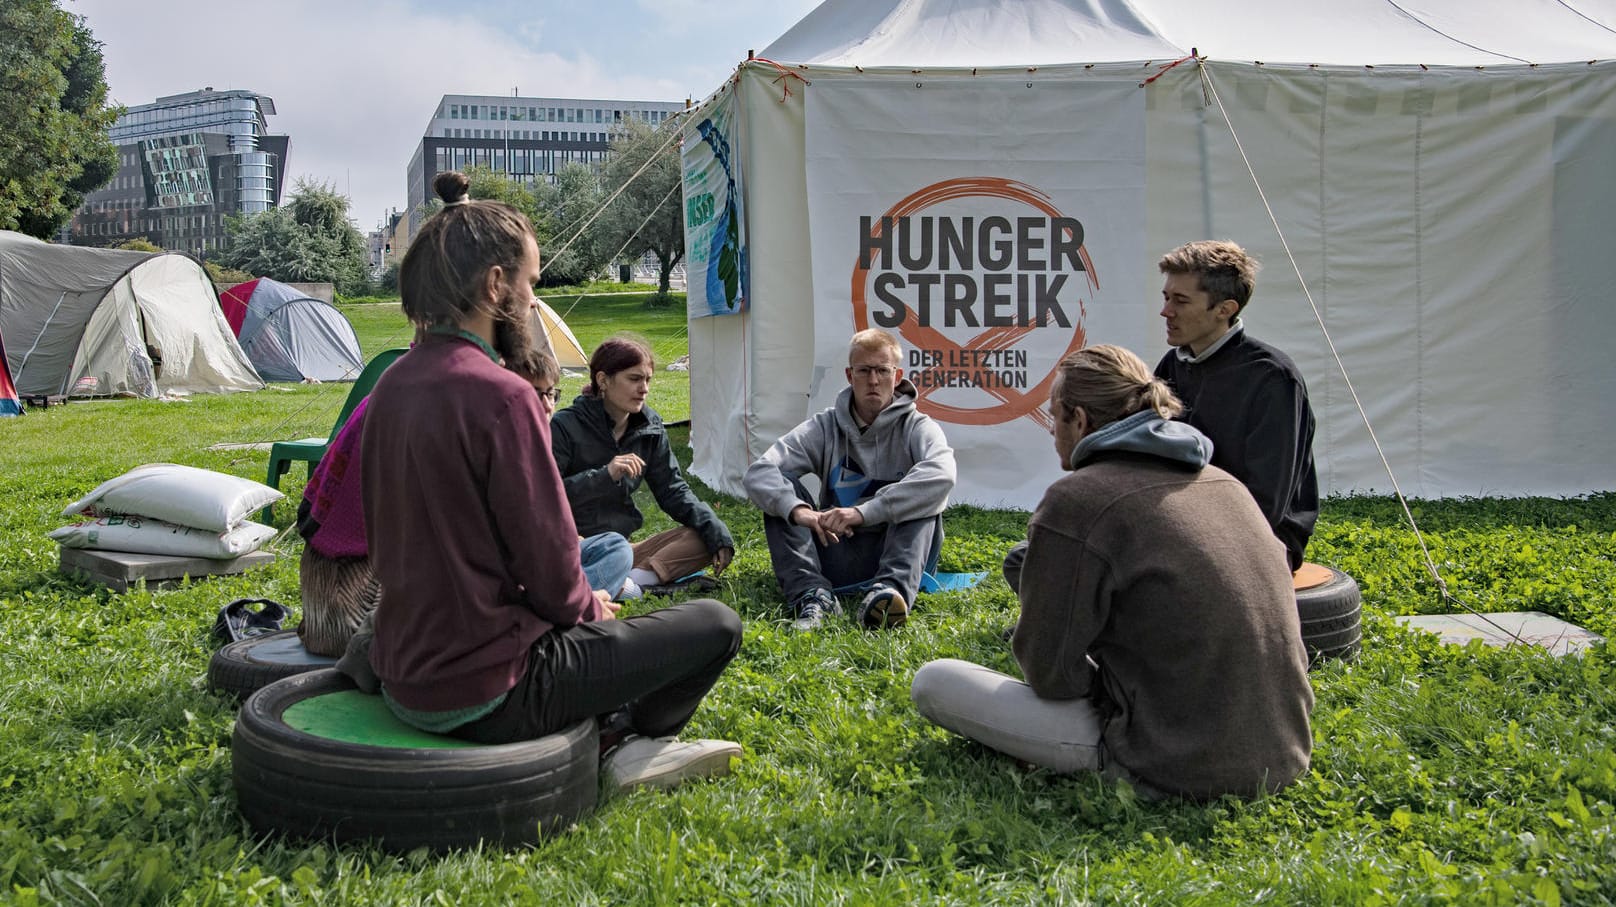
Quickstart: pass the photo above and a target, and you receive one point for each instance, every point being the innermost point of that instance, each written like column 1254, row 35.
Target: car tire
column 1331, row 611
column 242, row 667
column 401, row 797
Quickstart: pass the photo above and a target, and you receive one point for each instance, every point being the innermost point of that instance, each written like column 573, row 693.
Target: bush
column 366, row 300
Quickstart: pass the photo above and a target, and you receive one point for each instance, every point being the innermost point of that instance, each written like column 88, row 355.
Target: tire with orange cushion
column 1331, row 610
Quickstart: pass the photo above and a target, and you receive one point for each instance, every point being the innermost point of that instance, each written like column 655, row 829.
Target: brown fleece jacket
column 1170, row 581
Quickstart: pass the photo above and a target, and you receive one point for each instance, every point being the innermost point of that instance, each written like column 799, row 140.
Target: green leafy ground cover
column 1440, row 775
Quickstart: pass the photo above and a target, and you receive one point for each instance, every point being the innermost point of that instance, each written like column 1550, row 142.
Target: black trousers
column 657, row 666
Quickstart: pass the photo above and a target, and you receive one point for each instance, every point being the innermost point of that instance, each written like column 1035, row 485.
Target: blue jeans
column 607, row 559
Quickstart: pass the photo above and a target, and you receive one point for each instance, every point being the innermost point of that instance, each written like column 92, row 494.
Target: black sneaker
column 813, row 607
column 883, row 607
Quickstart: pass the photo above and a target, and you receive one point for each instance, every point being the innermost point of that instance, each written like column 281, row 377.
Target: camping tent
column 994, row 181
column 101, row 322
column 563, row 345
column 10, row 403
column 289, row 335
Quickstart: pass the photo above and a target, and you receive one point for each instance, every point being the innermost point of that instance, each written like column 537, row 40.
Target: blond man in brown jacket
column 1158, row 636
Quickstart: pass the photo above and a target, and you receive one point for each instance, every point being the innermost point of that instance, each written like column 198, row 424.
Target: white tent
column 1441, row 171
column 103, row 322
column 549, row 327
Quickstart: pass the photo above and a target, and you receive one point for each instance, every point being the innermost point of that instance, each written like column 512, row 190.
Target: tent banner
column 985, row 225
column 715, row 213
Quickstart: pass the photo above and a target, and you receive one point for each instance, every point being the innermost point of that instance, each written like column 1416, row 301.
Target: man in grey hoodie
column 885, row 471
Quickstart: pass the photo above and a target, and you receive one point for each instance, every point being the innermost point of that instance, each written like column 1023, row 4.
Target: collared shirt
column 1184, row 354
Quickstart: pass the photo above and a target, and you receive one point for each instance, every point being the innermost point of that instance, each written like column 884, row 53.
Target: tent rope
column 650, row 159
column 624, row 247
column 1164, row 70
column 1587, row 17
column 1430, row 563
column 1459, row 41
column 784, row 79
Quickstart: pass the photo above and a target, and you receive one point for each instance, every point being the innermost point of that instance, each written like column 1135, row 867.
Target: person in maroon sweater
column 487, row 628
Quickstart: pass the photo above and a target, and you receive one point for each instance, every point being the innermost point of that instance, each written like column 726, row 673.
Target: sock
column 644, row 577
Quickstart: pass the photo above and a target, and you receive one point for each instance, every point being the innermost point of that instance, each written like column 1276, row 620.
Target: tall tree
column 54, row 116
column 309, row 239
column 649, row 215
column 565, row 220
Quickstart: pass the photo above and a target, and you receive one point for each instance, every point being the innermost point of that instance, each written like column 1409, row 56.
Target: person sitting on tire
column 336, row 583
column 487, row 628
column 607, row 443
column 1245, row 395
column 1158, row 632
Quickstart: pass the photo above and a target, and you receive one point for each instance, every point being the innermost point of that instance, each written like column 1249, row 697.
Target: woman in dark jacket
column 608, row 442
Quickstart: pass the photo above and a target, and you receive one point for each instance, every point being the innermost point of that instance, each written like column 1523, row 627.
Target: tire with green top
column 315, row 758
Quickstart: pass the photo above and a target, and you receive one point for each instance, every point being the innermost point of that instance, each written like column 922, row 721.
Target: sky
column 356, row 81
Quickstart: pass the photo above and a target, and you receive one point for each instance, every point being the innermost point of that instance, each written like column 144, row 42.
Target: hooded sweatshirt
column 1153, row 587
column 899, row 468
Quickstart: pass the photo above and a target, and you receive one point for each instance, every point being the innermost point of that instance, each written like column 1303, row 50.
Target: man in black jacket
column 1245, row 395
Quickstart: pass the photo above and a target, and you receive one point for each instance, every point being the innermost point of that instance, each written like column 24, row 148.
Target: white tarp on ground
column 1450, row 209
column 86, row 321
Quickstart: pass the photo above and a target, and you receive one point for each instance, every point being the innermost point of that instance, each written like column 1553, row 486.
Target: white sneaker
column 630, row 591
column 667, row 762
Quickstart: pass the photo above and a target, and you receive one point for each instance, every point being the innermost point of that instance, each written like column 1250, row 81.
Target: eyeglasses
column 553, row 395
column 881, row 372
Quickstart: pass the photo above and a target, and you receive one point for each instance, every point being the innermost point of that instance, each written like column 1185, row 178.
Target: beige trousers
column 672, row 554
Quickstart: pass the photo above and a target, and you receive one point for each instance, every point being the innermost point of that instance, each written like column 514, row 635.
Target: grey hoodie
column 898, row 469
column 1147, row 433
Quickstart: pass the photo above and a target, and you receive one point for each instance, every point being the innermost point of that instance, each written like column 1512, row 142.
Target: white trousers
column 1001, row 712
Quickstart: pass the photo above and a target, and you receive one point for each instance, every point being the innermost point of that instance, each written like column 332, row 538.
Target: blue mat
column 950, row 582
column 929, row 582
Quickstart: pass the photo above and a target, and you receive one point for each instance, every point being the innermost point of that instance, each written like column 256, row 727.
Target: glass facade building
column 529, row 139
column 186, row 162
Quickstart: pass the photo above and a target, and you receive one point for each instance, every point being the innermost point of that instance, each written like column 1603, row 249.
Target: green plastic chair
column 309, row 450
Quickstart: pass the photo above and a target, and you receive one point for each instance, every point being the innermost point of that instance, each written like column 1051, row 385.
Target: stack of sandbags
column 163, row 508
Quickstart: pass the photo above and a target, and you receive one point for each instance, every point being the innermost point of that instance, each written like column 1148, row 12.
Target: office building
column 185, row 163
column 528, row 138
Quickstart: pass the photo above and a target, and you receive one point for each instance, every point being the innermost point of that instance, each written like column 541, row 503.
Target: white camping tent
column 549, row 327
column 1441, row 171
column 90, row 322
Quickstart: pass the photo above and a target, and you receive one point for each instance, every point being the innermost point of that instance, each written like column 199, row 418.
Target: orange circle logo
column 1003, row 338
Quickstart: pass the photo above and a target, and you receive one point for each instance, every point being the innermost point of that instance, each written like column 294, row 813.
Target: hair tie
column 464, row 199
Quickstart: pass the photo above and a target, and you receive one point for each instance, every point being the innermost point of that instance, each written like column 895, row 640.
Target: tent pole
column 39, row 336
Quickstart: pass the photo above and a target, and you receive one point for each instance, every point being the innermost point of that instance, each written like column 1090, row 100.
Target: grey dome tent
column 289, row 335
column 112, row 322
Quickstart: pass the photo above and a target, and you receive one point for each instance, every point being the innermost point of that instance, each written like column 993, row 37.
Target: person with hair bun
column 487, row 628
column 1158, row 634
column 607, row 443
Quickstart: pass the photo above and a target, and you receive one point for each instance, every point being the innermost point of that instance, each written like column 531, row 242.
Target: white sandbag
column 143, row 535
column 183, row 495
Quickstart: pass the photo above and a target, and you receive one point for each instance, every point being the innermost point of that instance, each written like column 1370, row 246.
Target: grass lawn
column 1440, row 775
